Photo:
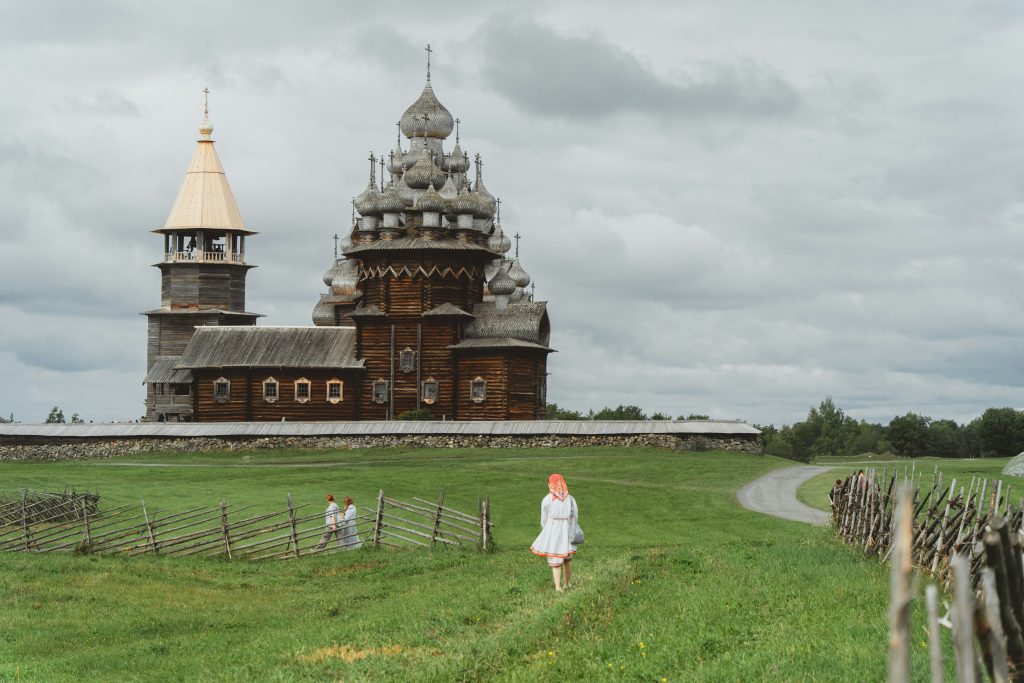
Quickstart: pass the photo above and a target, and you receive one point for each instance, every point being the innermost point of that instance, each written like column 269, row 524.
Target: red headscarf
column 557, row 486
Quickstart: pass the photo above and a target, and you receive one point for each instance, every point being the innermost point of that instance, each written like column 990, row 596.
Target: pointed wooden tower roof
column 205, row 200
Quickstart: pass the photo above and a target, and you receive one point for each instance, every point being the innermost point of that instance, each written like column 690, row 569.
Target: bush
column 421, row 414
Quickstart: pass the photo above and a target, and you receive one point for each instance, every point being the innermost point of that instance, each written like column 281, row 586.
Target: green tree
column 945, row 439
column 661, row 416
column 620, row 413
column 694, row 416
column 76, row 420
column 908, row 434
column 56, row 416
column 1001, row 431
column 553, row 412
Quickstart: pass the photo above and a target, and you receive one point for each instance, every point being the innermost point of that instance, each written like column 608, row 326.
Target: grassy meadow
column 675, row 583
column 815, row 491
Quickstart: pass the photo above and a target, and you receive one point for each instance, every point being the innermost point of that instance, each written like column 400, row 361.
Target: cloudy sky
column 733, row 207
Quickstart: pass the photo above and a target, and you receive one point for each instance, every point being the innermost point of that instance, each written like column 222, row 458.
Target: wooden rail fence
column 44, row 505
column 969, row 541
column 74, row 525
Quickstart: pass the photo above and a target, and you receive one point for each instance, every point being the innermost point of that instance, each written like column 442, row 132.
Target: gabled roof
column 164, row 371
column 417, row 244
column 498, row 343
column 271, row 347
column 205, row 199
column 526, row 321
column 447, row 309
column 370, row 311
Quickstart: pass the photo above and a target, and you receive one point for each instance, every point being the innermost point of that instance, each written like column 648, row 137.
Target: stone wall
column 76, row 449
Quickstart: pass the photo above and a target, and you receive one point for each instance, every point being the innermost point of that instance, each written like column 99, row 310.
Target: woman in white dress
column 349, row 536
column 559, row 521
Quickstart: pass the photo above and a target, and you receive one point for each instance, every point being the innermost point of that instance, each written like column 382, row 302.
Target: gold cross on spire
column 428, row 60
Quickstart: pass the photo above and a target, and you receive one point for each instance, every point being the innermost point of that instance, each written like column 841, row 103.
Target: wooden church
column 423, row 311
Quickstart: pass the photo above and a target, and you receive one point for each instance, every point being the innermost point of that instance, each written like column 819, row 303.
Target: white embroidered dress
column 349, row 538
column 559, row 520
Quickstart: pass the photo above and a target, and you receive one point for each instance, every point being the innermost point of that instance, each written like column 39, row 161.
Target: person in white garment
column 332, row 524
column 559, row 521
column 349, row 535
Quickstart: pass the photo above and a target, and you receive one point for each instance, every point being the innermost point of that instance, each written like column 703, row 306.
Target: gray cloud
column 587, row 77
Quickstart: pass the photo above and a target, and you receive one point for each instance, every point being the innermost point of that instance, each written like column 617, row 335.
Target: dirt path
column 775, row 494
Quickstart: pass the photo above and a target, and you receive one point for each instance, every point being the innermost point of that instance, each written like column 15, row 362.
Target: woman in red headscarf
column 559, row 521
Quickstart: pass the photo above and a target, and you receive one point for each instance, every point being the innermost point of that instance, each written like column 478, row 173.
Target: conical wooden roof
column 205, row 199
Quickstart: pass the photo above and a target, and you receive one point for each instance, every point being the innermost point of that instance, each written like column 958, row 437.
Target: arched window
column 429, row 391
column 221, row 390
column 270, row 390
column 335, row 391
column 407, row 360
column 478, row 390
column 303, row 390
column 380, row 391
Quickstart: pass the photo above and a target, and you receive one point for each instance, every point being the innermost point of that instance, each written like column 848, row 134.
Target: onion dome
column 499, row 242
column 391, row 201
column 323, row 313
column 457, row 161
column 423, row 173
column 367, row 203
column 491, row 268
column 346, row 278
column 329, row 275
column 346, row 242
column 430, row 201
column 405, row 192
column 484, row 208
column 517, row 273
column 439, row 122
column 464, row 204
column 449, row 192
column 395, row 161
column 517, row 296
column 501, row 284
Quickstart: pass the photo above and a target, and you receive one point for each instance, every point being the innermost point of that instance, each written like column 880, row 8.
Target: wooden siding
column 493, row 368
column 192, row 286
column 246, row 401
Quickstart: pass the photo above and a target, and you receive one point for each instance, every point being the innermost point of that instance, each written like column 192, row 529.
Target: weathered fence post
column 963, row 621
column 224, row 527
column 996, row 637
column 899, row 605
column 437, row 518
column 378, row 522
column 85, row 516
column 149, row 527
column 24, row 521
column 294, row 530
column 931, row 594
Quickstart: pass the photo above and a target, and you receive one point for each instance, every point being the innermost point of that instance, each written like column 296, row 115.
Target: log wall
column 246, row 402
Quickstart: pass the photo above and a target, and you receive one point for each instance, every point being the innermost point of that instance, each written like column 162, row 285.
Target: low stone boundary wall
column 66, row 448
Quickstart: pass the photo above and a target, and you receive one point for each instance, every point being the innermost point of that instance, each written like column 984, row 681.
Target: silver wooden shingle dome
column 439, row 122
column 501, row 284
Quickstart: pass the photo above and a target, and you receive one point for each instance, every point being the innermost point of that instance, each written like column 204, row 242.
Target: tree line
column 998, row 432
column 554, row 412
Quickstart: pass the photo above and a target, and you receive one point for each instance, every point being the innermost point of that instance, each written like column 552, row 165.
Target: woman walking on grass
column 349, row 536
column 559, row 521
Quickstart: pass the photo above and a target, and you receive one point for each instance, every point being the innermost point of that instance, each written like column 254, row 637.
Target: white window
column 429, row 391
column 270, row 390
column 335, row 391
column 221, row 390
column 478, row 390
column 380, row 391
column 407, row 361
column 303, row 389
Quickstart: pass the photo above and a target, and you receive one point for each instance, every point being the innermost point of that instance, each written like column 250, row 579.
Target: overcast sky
column 733, row 207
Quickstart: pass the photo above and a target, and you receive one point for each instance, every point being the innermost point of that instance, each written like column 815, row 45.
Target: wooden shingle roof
column 526, row 321
column 271, row 347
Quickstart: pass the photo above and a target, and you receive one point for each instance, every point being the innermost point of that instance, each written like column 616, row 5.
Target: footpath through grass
column 676, row 582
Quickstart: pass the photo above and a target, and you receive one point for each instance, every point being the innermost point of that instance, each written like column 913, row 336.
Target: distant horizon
column 731, row 210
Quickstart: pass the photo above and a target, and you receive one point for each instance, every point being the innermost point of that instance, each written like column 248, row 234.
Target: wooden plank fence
column 235, row 532
column 969, row 541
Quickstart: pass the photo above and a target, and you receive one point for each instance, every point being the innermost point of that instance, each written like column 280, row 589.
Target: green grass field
column 815, row 491
column 676, row 582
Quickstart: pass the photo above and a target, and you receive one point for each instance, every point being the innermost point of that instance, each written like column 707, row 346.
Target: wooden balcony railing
column 204, row 257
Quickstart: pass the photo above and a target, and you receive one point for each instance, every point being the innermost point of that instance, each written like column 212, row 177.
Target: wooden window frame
column 341, row 391
column 437, row 391
column 482, row 383
column 302, row 381
column 380, row 383
column 222, row 382
column 407, row 361
column 277, row 390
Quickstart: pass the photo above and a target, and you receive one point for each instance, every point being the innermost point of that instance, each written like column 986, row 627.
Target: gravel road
column 775, row 494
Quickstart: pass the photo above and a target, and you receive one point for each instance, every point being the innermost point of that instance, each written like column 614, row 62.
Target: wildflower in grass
column 550, row 653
